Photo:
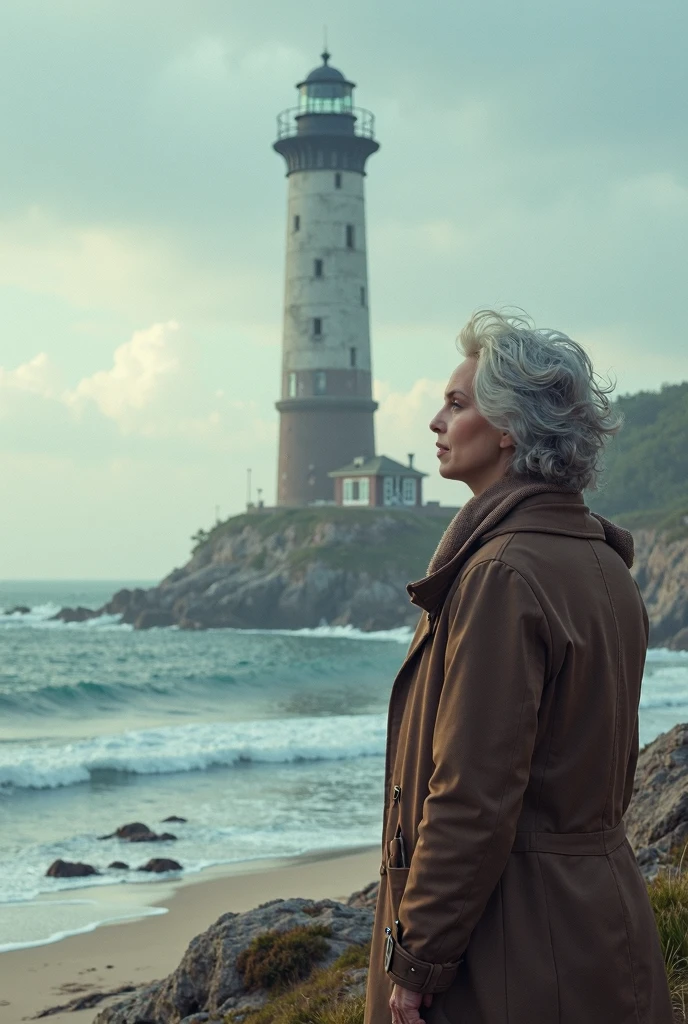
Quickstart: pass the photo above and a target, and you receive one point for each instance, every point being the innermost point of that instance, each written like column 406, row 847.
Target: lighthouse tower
column 326, row 406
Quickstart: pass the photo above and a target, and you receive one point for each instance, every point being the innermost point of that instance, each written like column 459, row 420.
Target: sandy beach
column 139, row 951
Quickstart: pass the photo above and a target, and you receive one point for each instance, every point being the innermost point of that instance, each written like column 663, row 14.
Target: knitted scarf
column 482, row 512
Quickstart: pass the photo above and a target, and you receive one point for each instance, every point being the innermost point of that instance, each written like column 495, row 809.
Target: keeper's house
column 378, row 482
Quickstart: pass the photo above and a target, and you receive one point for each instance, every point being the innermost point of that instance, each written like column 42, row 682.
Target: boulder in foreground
column 208, row 981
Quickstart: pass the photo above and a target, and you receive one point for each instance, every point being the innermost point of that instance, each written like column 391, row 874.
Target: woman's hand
column 405, row 1005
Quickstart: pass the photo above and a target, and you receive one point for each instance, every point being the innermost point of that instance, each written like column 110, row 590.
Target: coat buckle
column 389, row 948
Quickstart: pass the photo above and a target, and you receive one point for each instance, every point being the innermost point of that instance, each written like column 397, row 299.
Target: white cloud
column 145, row 369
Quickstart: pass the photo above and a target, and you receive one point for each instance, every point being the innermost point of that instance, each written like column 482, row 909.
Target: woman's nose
column 435, row 425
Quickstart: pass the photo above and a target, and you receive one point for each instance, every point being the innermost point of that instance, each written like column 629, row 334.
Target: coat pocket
column 396, row 881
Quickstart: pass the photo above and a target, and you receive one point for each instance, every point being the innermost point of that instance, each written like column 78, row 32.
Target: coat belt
column 575, row 843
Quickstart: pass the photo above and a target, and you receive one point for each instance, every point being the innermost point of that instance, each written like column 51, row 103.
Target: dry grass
column 322, row 999
column 669, row 898
column 276, row 960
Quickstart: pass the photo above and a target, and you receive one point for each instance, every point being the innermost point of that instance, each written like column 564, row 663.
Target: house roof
column 379, row 466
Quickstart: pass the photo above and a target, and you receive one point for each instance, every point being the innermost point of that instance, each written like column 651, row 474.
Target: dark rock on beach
column 20, row 609
column 657, row 819
column 137, row 832
column 207, row 985
column 173, row 818
column 118, row 865
column 160, row 864
column 70, row 869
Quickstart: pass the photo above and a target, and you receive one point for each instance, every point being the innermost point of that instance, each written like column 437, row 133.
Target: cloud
column 145, row 370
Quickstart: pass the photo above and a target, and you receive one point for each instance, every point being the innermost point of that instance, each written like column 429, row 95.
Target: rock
column 680, row 641
column 657, row 819
column 119, row 865
column 137, row 832
column 366, row 897
column 173, row 817
column 207, row 981
column 661, row 571
column 70, row 869
column 153, row 837
column 20, row 609
column 154, row 619
column 160, row 864
column 79, row 614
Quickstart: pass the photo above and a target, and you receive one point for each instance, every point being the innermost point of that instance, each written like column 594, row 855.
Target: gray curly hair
column 540, row 386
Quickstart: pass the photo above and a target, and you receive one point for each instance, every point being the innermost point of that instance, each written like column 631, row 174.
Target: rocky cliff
column 661, row 570
column 296, row 568
column 290, row 569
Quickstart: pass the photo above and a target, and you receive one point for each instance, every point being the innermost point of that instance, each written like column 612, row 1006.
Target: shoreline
column 140, row 950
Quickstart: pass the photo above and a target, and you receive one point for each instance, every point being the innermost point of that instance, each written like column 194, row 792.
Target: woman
column 509, row 894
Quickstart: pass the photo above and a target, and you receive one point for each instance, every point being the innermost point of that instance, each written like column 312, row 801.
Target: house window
column 317, row 326
column 297, row 222
column 362, row 295
column 320, row 382
column 291, row 385
column 318, row 268
column 352, row 357
column 337, row 180
column 391, row 490
column 409, row 490
column 356, row 491
column 349, row 236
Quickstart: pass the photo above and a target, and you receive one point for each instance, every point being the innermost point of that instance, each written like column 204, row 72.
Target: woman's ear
column 506, row 440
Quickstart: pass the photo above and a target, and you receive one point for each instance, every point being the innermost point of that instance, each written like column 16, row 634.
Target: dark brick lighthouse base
column 316, row 435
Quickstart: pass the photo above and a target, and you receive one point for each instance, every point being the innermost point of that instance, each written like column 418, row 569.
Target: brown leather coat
column 511, row 752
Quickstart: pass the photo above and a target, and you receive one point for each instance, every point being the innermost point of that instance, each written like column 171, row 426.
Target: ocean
column 270, row 744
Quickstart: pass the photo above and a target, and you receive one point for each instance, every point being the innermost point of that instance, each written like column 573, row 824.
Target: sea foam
column 193, row 747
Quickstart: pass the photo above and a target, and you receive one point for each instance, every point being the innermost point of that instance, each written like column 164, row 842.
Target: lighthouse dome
column 326, row 90
column 325, row 73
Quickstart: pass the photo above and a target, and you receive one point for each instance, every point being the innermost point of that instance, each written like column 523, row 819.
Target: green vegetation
column 278, row 959
column 669, row 898
column 322, row 999
column 405, row 547
column 646, row 475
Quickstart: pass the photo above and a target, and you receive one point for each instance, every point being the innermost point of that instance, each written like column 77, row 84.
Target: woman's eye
column 455, row 405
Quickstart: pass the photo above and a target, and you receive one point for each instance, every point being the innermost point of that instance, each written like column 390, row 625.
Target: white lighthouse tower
column 326, row 406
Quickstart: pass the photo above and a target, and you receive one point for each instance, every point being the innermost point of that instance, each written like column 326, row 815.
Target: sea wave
column 188, row 748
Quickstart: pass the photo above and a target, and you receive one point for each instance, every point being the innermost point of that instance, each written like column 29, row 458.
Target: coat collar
column 549, row 512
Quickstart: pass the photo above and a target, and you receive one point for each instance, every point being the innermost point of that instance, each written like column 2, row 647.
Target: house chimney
column 410, row 458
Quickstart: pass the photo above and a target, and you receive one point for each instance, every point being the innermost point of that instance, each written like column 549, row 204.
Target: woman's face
column 468, row 447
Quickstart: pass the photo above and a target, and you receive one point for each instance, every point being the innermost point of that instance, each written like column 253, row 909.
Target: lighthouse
column 326, row 406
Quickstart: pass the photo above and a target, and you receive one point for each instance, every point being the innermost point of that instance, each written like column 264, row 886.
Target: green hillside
column 646, row 474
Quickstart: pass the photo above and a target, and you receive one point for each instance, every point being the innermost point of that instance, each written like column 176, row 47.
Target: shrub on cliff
column 277, row 959
column 330, row 996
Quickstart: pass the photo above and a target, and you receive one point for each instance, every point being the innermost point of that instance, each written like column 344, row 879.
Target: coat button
column 383, row 869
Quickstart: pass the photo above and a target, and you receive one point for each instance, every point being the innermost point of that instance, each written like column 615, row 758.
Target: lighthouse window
column 318, row 268
column 291, row 386
column 320, row 382
column 352, row 356
column 337, row 180
column 349, row 236
column 297, row 222
column 317, row 326
column 362, row 295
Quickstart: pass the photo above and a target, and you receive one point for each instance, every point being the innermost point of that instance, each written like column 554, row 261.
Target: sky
column 533, row 155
